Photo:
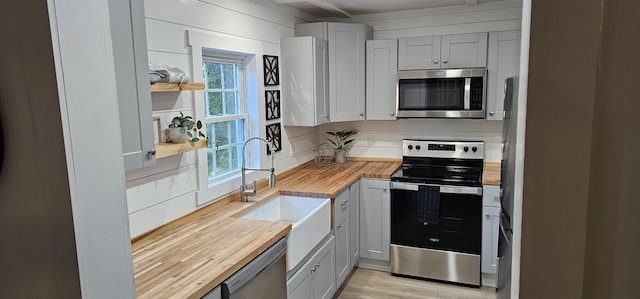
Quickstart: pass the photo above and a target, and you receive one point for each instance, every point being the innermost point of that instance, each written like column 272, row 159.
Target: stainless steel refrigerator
column 507, row 175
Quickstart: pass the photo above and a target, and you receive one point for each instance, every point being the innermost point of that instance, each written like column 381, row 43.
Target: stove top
column 457, row 163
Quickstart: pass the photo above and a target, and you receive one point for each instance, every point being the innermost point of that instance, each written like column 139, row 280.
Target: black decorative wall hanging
column 272, row 101
column 274, row 134
column 271, row 74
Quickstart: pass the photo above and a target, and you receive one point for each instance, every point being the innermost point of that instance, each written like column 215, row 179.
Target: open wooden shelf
column 169, row 149
column 163, row 87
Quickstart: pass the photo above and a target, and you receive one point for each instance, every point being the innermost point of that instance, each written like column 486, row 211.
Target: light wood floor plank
column 370, row 284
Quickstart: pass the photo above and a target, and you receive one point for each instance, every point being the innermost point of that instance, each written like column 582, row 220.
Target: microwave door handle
column 467, row 93
column 443, row 189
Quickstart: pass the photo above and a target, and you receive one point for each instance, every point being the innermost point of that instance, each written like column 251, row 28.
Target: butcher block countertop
column 192, row 255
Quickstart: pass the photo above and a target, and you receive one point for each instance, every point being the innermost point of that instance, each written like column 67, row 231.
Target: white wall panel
column 152, row 217
column 151, row 190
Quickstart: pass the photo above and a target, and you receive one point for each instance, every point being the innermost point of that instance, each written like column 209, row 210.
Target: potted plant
column 340, row 140
column 184, row 129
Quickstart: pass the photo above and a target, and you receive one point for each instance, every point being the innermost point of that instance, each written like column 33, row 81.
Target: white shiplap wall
column 162, row 193
column 384, row 138
column 159, row 194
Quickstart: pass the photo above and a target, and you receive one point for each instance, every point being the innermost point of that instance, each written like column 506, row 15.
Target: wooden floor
column 372, row 284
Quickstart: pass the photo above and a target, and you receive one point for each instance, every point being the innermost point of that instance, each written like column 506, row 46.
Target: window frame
column 242, row 115
column 204, row 43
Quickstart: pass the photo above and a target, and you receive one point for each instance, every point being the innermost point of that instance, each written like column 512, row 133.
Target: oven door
column 459, row 226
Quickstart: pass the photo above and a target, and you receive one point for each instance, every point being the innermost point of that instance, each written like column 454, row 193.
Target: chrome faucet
column 244, row 190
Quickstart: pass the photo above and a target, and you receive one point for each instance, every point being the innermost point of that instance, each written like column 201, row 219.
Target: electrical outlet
column 371, row 139
column 290, row 150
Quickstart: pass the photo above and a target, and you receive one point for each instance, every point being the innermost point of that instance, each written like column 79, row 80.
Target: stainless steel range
column 436, row 211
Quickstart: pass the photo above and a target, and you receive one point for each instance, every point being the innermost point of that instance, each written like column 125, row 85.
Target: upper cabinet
column 346, row 72
column 304, row 81
column 443, row 51
column 503, row 62
column 382, row 68
column 132, row 83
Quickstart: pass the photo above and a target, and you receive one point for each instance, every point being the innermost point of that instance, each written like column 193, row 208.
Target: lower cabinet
column 490, row 235
column 214, row 294
column 375, row 220
column 316, row 278
column 354, row 223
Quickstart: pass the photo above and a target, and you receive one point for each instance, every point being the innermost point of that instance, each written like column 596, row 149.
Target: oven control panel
column 443, row 149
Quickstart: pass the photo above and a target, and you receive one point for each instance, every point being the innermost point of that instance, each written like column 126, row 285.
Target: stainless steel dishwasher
column 264, row 277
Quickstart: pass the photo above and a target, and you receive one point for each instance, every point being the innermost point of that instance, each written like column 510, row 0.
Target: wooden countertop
column 190, row 256
column 491, row 173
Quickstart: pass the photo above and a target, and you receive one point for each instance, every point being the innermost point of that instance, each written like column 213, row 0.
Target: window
column 225, row 115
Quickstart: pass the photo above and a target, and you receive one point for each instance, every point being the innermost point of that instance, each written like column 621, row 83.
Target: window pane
column 235, row 157
column 222, row 161
column 229, row 76
column 213, row 74
column 215, row 104
column 231, row 102
column 237, row 131
column 210, row 162
column 221, row 132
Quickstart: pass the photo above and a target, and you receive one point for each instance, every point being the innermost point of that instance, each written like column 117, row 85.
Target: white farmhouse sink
column 310, row 220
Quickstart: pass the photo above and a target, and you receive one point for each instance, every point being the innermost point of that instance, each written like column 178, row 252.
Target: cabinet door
column 382, row 68
column 419, row 53
column 214, row 294
column 503, row 62
column 304, row 81
column 354, row 225
column 299, row 285
column 132, row 83
column 464, row 50
column 324, row 275
column 343, row 255
column 375, row 219
column 490, row 235
column 346, row 71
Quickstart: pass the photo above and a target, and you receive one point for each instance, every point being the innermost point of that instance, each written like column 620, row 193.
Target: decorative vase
column 178, row 135
column 341, row 156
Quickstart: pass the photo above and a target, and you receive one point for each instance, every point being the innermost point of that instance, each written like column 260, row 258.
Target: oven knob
column 474, row 149
column 417, row 147
column 410, row 147
column 466, row 149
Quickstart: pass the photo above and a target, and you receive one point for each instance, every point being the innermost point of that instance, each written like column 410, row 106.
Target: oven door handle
column 443, row 189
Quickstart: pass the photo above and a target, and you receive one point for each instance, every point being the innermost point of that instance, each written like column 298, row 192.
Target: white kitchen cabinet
column 346, row 49
column 305, row 99
column 214, row 294
column 316, row 278
column 490, row 233
column 342, row 231
column 382, row 69
column 375, row 219
column 132, row 82
column 503, row 62
column 346, row 216
column 354, row 219
column 443, row 51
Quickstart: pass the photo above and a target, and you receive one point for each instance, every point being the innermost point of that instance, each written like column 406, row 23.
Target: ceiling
column 349, row 8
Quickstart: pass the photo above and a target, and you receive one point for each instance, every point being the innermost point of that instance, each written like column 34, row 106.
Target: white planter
column 178, row 135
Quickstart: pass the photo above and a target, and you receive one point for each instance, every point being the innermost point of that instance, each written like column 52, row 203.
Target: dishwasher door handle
column 443, row 188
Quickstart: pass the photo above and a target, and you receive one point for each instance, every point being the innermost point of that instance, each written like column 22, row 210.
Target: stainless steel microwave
column 446, row 93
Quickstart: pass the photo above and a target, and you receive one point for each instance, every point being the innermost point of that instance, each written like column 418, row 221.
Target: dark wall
column 37, row 243
column 580, row 199
column 612, row 264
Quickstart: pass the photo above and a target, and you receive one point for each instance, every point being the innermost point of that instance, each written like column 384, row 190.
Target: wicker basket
column 323, row 155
